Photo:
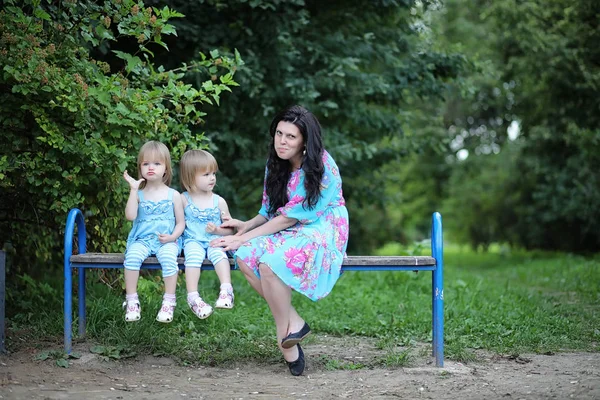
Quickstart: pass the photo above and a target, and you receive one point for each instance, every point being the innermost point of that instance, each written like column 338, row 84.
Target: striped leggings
column 195, row 254
column 167, row 257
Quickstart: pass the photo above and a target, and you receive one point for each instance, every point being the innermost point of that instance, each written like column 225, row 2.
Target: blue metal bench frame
column 85, row 260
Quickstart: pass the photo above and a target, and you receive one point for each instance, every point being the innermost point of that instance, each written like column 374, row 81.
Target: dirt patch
column 561, row 376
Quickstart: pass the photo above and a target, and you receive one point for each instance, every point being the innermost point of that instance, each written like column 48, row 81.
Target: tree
column 361, row 67
column 540, row 71
column 556, row 42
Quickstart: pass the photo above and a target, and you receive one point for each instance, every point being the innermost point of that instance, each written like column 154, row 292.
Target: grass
column 500, row 301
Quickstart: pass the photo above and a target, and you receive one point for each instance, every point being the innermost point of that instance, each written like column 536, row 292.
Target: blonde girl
column 158, row 220
column 204, row 212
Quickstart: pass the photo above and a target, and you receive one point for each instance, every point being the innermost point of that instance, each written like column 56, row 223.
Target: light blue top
column 153, row 217
column 196, row 220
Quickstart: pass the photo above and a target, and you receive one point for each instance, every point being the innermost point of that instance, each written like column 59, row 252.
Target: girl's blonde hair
column 154, row 150
column 195, row 162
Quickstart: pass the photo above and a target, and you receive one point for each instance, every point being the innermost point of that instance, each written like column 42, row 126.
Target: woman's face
column 289, row 143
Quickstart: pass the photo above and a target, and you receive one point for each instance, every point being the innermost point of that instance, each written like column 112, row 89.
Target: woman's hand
column 241, row 227
column 232, row 242
column 133, row 184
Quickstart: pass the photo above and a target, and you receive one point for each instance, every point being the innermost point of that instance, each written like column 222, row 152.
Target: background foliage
column 484, row 110
column 540, row 71
column 72, row 123
column 364, row 77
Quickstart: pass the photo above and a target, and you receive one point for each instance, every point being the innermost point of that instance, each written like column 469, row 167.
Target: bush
column 71, row 124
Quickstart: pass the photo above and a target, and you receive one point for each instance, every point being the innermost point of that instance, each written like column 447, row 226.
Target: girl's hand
column 164, row 238
column 211, row 227
column 232, row 242
column 133, row 184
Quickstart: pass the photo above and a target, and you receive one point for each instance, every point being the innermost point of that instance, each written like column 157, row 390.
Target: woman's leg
column 252, row 279
column 295, row 322
column 279, row 298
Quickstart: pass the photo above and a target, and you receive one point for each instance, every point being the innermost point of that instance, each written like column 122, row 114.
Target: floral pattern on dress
column 308, row 255
column 160, row 207
column 206, row 214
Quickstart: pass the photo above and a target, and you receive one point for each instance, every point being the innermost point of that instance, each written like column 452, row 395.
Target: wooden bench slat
column 118, row 258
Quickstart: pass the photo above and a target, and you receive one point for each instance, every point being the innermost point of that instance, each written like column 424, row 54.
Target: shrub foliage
column 71, row 123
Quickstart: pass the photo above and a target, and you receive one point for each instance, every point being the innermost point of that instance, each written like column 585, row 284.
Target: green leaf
column 98, row 349
column 132, row 61
column 61, row 362
column 44, row 355
column 168, row 29
column 41, row 14
column 121, row 108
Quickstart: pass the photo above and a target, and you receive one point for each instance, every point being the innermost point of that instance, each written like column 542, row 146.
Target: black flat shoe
column 297, row 367
column 295, row 337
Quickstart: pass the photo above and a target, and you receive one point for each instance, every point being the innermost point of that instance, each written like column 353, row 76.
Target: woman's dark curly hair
column 278, row 170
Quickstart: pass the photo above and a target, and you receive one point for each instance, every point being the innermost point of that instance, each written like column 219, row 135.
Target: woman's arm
column 262, row 227
column 243, row 227
column 255, row 222
column 274, row 225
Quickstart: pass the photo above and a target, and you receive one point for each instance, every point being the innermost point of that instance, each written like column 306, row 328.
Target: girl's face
column 205, row 181
column 289, row 143
column 153, row 168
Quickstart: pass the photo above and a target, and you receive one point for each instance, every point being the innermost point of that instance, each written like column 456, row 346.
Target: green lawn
column 499, row 301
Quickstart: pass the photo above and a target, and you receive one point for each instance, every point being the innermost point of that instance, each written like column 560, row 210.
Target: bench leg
column 438, row 318
column 68, row 306
column 81, row 302
column 437, row 288
column 2, row 300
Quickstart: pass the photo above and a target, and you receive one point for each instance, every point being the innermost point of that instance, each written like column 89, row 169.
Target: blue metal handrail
column 75, row 217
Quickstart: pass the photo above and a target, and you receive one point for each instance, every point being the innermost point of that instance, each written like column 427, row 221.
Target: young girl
column 157, row 214
column 204, row 212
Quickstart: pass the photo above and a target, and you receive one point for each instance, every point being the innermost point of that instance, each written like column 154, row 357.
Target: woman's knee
column 246, row 270
column 265, row 270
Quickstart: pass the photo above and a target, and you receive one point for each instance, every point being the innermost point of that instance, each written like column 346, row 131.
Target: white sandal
column 225, row 299
column 133, row 311
column 167, row 309
column 200, row 308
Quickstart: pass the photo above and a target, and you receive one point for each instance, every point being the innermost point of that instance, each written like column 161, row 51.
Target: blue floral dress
column 307, row 256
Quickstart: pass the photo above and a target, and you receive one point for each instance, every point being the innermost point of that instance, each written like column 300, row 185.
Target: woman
column 298, row 239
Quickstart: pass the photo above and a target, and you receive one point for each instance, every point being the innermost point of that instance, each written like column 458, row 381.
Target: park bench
column 84, row 260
